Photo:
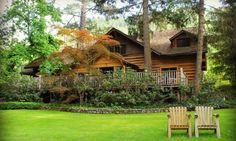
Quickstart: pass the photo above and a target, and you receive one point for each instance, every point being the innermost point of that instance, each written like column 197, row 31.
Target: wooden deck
column 167, row 78
column 163, row 79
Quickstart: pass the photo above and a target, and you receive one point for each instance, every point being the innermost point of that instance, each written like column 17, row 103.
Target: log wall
column 135, row 55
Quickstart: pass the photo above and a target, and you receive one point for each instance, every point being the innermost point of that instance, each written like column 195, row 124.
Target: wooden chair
column 204, row 120
column 179, row 119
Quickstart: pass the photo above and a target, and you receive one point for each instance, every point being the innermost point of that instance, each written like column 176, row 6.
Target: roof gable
column 129, row 38
column 180, row 33
column 161, row 41
column 123, row 34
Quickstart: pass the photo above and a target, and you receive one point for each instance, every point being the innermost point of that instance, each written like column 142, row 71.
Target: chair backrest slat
column 178, row 115
column 204, row 115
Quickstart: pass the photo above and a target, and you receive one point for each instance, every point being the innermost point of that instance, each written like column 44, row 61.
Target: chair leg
column 196, row 132
column 169, row 132
column 189, row 131
column 217, row 127
column 218, row 132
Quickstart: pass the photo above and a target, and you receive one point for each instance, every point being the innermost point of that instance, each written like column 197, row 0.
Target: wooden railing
column 167, row 78
column 164, row 78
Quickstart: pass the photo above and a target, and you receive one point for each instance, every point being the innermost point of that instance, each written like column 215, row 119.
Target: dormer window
column 183, row 42
column 118, row 49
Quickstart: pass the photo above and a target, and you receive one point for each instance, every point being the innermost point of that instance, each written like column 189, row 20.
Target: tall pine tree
column 223, row 41
column 201, row 21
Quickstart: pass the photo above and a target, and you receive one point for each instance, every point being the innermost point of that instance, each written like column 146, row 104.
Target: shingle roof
column 35, row 63
column 160, row 42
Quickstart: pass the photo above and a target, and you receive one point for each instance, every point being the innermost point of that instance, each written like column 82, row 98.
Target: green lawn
column 41, row 125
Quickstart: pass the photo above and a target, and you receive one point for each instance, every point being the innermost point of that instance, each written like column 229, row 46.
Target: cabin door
column 169, row 75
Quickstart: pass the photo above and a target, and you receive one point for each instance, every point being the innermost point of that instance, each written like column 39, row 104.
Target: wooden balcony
column 167, row 78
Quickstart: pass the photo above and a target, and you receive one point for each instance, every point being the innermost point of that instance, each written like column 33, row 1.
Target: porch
column 170, row 78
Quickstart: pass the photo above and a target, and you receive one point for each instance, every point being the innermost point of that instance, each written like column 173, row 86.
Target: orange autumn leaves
column 81, row 48
column 85, row 38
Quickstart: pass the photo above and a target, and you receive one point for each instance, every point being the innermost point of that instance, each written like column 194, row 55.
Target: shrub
column 20, row 88
column 19, row 105
column 128, row 97
column 209, row 95
column 131, row 91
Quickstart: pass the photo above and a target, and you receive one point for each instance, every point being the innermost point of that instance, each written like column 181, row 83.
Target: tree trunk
column 83, row 14
column 81, row 98
column 201, row 21
column 146, row 38
column 4, row 6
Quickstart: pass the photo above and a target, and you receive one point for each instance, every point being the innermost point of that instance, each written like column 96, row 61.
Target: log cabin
column 173, row 54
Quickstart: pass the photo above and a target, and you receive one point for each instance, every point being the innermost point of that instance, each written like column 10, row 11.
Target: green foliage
column 93, row 27
column 208, row 95
column 173, row 13
column 222, row 40
column 131, row 98
column 112, row 89
column 17, row 55
column 28, row 18
column 19, row 105
column 19, row 88
column 53, row 66
column 6, row 33
column 129, row 80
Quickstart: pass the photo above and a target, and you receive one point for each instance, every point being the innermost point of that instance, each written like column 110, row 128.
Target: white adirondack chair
column 179, row 119
column 204, row 120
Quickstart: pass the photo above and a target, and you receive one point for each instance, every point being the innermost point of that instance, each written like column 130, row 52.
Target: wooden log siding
column 186, row 62
column 137, row 59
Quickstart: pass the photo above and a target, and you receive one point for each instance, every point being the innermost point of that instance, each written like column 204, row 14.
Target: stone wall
column 105, row 110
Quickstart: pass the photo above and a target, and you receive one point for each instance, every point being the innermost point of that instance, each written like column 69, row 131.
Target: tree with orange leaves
column 80, row 48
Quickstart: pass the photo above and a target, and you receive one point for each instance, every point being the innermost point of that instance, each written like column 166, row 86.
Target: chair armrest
column 216, row 115
column 168, row 115
column 189, row 116
column 195, row 115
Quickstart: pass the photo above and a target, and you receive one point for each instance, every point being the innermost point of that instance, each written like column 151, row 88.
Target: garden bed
column 91, row 110
column 76, row 108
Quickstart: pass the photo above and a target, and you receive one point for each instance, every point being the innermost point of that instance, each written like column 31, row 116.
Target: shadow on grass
column 202, row 133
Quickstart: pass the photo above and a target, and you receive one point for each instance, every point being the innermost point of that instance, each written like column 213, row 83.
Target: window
column 183, row 42
column 123, row 49
column 118, row 49
column 81, row 76
column 106, row 70
column 169, row 69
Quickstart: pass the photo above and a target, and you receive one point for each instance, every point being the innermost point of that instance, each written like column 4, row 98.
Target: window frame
column 121, row 49
column 185, row 42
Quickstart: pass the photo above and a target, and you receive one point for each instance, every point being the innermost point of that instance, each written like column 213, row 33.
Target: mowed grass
column 42, row 125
